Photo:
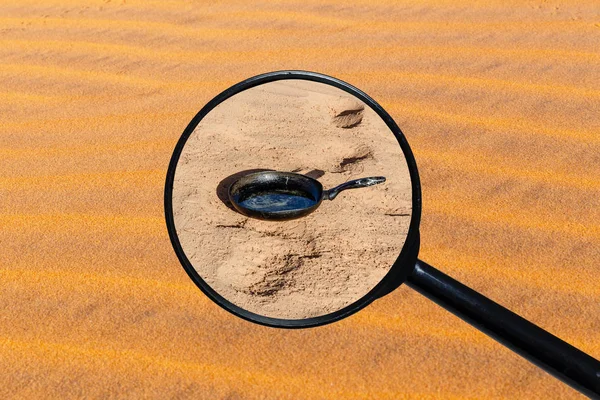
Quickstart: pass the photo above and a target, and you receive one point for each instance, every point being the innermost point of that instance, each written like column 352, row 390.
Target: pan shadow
column 223, row 186
column 315, row 173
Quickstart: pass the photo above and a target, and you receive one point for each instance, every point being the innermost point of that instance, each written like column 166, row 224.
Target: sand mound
column 346, row 112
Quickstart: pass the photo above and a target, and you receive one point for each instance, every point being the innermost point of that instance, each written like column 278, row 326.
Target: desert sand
column 499, row 101
column 310, row 266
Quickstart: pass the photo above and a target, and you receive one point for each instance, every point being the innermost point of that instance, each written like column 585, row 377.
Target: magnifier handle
column 357, row 183
column 558, row 358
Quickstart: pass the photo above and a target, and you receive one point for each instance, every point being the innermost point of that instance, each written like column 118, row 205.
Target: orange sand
column 498, row 99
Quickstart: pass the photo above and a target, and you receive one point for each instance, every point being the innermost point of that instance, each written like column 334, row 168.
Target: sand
column 306, row 267
column 499, row 101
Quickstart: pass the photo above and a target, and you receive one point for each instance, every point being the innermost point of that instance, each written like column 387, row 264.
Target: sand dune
column 499, row 101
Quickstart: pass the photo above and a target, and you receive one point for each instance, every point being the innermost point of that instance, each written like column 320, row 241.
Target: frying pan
column 274, row 195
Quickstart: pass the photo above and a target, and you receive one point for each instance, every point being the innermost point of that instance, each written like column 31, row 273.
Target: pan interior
column 278, row 195
column 278, row 200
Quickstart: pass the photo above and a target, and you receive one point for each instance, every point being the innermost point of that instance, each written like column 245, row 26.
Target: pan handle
column 357, row 183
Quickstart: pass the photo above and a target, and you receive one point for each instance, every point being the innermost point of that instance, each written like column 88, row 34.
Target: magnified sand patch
column 305, row 267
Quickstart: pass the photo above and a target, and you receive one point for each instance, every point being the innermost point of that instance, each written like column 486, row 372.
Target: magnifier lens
column 301, row 265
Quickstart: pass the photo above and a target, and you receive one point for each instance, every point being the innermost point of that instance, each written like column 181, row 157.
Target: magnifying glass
column 245, row 211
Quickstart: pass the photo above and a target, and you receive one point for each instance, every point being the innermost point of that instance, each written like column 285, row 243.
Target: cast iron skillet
column 274, row 195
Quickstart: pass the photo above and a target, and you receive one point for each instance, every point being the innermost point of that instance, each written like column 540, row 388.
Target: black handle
column 545, row 350
column 357, row 183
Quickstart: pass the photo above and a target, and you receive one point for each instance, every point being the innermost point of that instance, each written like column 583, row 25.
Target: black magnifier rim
column 405, row 260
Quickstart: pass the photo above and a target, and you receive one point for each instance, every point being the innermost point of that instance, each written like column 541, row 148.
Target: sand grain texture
column 499, row 101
